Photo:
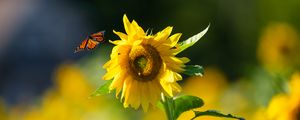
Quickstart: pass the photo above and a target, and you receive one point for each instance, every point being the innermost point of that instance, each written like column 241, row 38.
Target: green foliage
column 102, row 90
column 194, row 70
column 175, row 107
column 214, row 113
column 160, row 105
column 191, row 41
column 185, row 103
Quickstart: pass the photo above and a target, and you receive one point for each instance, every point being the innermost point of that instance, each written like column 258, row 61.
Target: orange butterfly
column 91, row 42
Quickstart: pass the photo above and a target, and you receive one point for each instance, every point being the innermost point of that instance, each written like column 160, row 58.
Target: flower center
column 145, row 62
column 141, row 62
column 285, row 50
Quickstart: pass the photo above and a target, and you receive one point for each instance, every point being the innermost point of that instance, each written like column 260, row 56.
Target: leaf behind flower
column 191, row 41
column 102, row 90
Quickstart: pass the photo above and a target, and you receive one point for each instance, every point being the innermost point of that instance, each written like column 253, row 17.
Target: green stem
column 169, row 107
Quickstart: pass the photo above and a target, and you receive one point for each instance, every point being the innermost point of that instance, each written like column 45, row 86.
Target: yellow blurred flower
column 53, row 107
column 236, row 99
column 286, row 106
column 210, row 88
column 143, row 66
column 278, row 47
column 68, row 100
column 155, row 114
column 3, row 114
column 71, row 83
column 260, row 114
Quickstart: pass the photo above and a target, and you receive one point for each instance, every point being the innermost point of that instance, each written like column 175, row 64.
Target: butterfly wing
column 91, row 44
column 82, row 45
column 91, row 41
column 99, row 36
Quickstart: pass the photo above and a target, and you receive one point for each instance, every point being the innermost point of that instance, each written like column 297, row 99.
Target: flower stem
column 169, row 107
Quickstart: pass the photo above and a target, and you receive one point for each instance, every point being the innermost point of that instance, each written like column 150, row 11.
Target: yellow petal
column 176, row 87
column 133, row 96
column 137, row 95
column 137, row 42
column 127, row 25
column 115, row 42
column 177, row 76
column 137, row 28
column 170, row 76
column 174, row 39
column 110, row 74
column 114, row 51
column 112, row 64
column 294, row 86
column 162, row 48
column 185, row 59
column 117, row 82
column 167, row 87
column 107, row 64
column 121, row 35
column 145, row 99
column 163, row 35
column 118, row 90
column 127, row 86
column 174, row 64
column 151, row 91
column 277, row 104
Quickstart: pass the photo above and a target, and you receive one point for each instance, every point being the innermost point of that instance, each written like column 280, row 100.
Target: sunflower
column 286, row 106
column 214, row 83
column 278, row 47
column 143, row 65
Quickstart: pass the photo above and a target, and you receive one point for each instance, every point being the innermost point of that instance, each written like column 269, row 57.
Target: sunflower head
column 286, row 106
column 143, row 66
column 278, row 47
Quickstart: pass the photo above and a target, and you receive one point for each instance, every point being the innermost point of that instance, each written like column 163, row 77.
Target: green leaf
column 160, row 105
column 102, row 90
column 191, row 41
column 214, row 113
column 185, row 103
column 194, row 70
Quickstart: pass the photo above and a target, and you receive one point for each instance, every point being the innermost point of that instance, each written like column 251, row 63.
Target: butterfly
column 91, row 42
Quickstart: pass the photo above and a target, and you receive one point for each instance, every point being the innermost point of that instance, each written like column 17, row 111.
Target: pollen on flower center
column 141, row 62
column 145, row 62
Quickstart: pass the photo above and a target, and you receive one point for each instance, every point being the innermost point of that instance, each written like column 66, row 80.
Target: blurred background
column 249, row 53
